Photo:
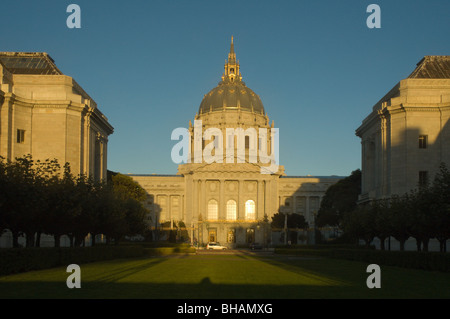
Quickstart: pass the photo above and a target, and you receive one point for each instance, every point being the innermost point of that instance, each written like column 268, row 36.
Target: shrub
column 21, row 260
column 433, row 261
column 164, row 251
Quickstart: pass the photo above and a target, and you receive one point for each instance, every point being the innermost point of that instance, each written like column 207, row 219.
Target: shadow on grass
column 203, row 290
column 396, row 282
column 311, row 279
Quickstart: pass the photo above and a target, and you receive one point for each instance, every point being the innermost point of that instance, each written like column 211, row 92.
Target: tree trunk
column 29, row 239
column 402, row 244
column 425, row 242
column 92, row 240
column 57, row 238
column 382, row 245
column 367, row 241
column 71, row 239
column 418, row 244
column 442, row 245
column 79, row 240
column 38, row 239
column 15, row 239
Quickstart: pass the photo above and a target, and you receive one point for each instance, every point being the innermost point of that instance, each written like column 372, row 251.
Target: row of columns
column 200, row 203
column 308, row 214
column 165, row 212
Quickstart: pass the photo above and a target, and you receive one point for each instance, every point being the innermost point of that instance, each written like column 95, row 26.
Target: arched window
column 231, row 210
column 250, row 210
column 213, row 210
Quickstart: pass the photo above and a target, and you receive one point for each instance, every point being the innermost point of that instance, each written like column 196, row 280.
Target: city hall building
column 232, row 199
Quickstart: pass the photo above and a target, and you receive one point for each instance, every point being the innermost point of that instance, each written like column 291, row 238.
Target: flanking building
column 45, row 113
column 407, row 135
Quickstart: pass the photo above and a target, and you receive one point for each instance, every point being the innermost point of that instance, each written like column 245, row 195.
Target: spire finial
column 232, row 46
column 231, row 66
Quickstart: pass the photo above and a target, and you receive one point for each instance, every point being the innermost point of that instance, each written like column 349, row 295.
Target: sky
column 316, row 66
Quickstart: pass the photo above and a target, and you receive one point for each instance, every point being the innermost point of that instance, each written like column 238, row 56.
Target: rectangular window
column 20, row 136
column 423, row 178
column 423, row 141
column 300, row 204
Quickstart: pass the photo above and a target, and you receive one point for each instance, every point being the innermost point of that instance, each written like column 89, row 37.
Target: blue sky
column 315, row 64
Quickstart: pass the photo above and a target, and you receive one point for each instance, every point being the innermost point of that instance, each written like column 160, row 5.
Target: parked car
column 212, row 246
column 254, row 246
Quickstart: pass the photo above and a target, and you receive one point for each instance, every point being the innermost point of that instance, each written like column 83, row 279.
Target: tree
column 339, row 199
column 131, row 195
column 400, row 207
column 3, row 198
column 441, row 206
column 382, row 220
column 422, row 223
column 84, row 221
column 360, row 223
column 135, row 217
column 64, row 204
column 293, row 221
column 125, row 187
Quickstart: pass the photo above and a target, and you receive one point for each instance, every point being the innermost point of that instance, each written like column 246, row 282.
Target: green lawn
column 226, row 276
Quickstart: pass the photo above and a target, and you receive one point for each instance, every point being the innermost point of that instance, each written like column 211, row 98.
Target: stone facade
column 48, row 115
column 231, row 199
column 405, row 137
column 216, row 204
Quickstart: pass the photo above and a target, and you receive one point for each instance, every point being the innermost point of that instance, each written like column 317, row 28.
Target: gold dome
column 231, row 93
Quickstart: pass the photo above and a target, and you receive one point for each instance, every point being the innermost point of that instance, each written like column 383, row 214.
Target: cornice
column 387, row 111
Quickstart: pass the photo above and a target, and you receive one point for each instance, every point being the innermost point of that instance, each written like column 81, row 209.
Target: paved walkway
column 259, row 252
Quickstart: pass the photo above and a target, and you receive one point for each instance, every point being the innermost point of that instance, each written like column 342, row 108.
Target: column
column 260, row 201
column 308, row 213
column 201, row 198
column 188, row 203
column 195, row 200
column 182, row 215
column 268, row 207
column 294, row 203
column 240, row 205
column 221, row 201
